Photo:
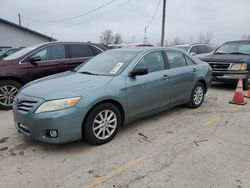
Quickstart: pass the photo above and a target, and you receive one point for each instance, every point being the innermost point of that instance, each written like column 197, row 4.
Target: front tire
column 8, row 92
column 102, row 124
column 197, row 95
column 245, row 83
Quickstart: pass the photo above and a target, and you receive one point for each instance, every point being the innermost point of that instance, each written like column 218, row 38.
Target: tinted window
column 153, row 62
column 175, row 59
column 51, row 53
column 79, row 50
column 202, row 49
column 209, row 48
column 194, row 49
column 189, row 60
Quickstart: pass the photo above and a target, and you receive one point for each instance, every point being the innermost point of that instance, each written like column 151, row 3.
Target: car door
column 51, row 61
column 148, row 93
column 77, row 54
column 181, row 76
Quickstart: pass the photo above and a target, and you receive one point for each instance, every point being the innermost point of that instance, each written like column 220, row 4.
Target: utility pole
column 163, row 23
column 19, row 19
column 145, row 40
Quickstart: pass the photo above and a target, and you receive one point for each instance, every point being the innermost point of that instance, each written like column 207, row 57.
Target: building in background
column 14, row 36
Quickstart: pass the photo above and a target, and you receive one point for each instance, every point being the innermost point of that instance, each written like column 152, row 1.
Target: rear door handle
column 194, row 69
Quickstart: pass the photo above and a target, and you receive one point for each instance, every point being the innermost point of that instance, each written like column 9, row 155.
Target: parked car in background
column 8, row 52
column 231, row 61
column 38, row 61
column 197, row 50
column 112, row 89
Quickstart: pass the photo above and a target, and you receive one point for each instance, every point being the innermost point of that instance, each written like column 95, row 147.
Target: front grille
column 25, row 106
column 219, row 66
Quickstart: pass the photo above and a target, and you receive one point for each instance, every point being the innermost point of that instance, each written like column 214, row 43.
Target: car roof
column 143, row 49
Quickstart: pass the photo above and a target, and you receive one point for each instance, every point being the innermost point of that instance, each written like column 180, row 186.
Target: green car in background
column 112, row 89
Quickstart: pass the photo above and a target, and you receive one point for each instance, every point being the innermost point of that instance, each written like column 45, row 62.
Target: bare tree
column 207, row 38
column 245, row 37
column 177, row 41
column 107, row 37
column 118, row 38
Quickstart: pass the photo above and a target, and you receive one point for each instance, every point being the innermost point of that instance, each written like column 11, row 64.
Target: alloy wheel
column 104, row 124
column 7, row 95
column 198, row 95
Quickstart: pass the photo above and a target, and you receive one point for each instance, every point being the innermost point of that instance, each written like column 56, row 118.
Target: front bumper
column 229, row 75
column 67, row 122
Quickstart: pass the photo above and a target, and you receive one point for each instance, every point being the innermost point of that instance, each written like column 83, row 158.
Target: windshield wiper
column 86, row 72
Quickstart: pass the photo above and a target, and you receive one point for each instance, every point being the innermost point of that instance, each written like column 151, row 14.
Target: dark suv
column 38, row 61
column 231, row 61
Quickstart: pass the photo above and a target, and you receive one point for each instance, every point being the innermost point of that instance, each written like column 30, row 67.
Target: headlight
column 58, row 104
column 239, row 66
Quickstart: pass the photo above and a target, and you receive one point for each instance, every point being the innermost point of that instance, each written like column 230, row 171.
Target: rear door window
column 175, row 59
column 79, row 50
column 209, row 48
column 189, row 61
column 202, row 49
column 195, row 50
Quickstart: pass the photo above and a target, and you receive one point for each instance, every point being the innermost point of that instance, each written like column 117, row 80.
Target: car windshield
column 108, row 63
column 234, row 48
column 22, row 52
column 185, row 48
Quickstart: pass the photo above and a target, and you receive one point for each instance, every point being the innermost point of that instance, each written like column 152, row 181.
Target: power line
column 152, row 19
column 145, row 40
column 74, row 17
column 107, row 12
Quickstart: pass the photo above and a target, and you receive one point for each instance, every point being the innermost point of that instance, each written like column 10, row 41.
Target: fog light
column 53, row 133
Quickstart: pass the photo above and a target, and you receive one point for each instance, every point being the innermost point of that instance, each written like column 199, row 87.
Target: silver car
column 197, row 50
column 112, row 89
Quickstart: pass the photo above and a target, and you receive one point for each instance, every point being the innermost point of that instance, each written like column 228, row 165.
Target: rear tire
column 8, row 92
column 102, row 124
column 197, row 95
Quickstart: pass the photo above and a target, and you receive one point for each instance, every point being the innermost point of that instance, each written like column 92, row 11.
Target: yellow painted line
column 213, row 120
column 236, row 109
column 114, row 172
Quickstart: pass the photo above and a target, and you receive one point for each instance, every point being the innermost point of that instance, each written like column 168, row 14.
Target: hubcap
column 104, row 124
column 7, row 95
column 198, row 95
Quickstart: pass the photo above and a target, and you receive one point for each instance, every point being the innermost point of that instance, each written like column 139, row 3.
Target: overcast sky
column 226, row 19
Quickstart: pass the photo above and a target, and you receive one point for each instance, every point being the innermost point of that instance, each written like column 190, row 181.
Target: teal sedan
column 117, row 87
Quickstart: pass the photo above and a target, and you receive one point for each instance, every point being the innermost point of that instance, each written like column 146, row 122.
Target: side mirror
column 193, row 53
column 138, row 72
column 34, row 59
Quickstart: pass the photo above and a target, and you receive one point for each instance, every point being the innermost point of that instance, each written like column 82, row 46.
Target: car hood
column 227, row 58
column 67, row 84
column 5, row 62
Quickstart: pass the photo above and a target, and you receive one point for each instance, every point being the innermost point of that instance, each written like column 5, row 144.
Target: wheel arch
column 204, row 84
column 13, row 79
column 112, row 101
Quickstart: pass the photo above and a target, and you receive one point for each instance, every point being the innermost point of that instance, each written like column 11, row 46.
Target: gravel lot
column 205, row 147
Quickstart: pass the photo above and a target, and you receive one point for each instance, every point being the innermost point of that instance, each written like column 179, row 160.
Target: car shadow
column 223, row 86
